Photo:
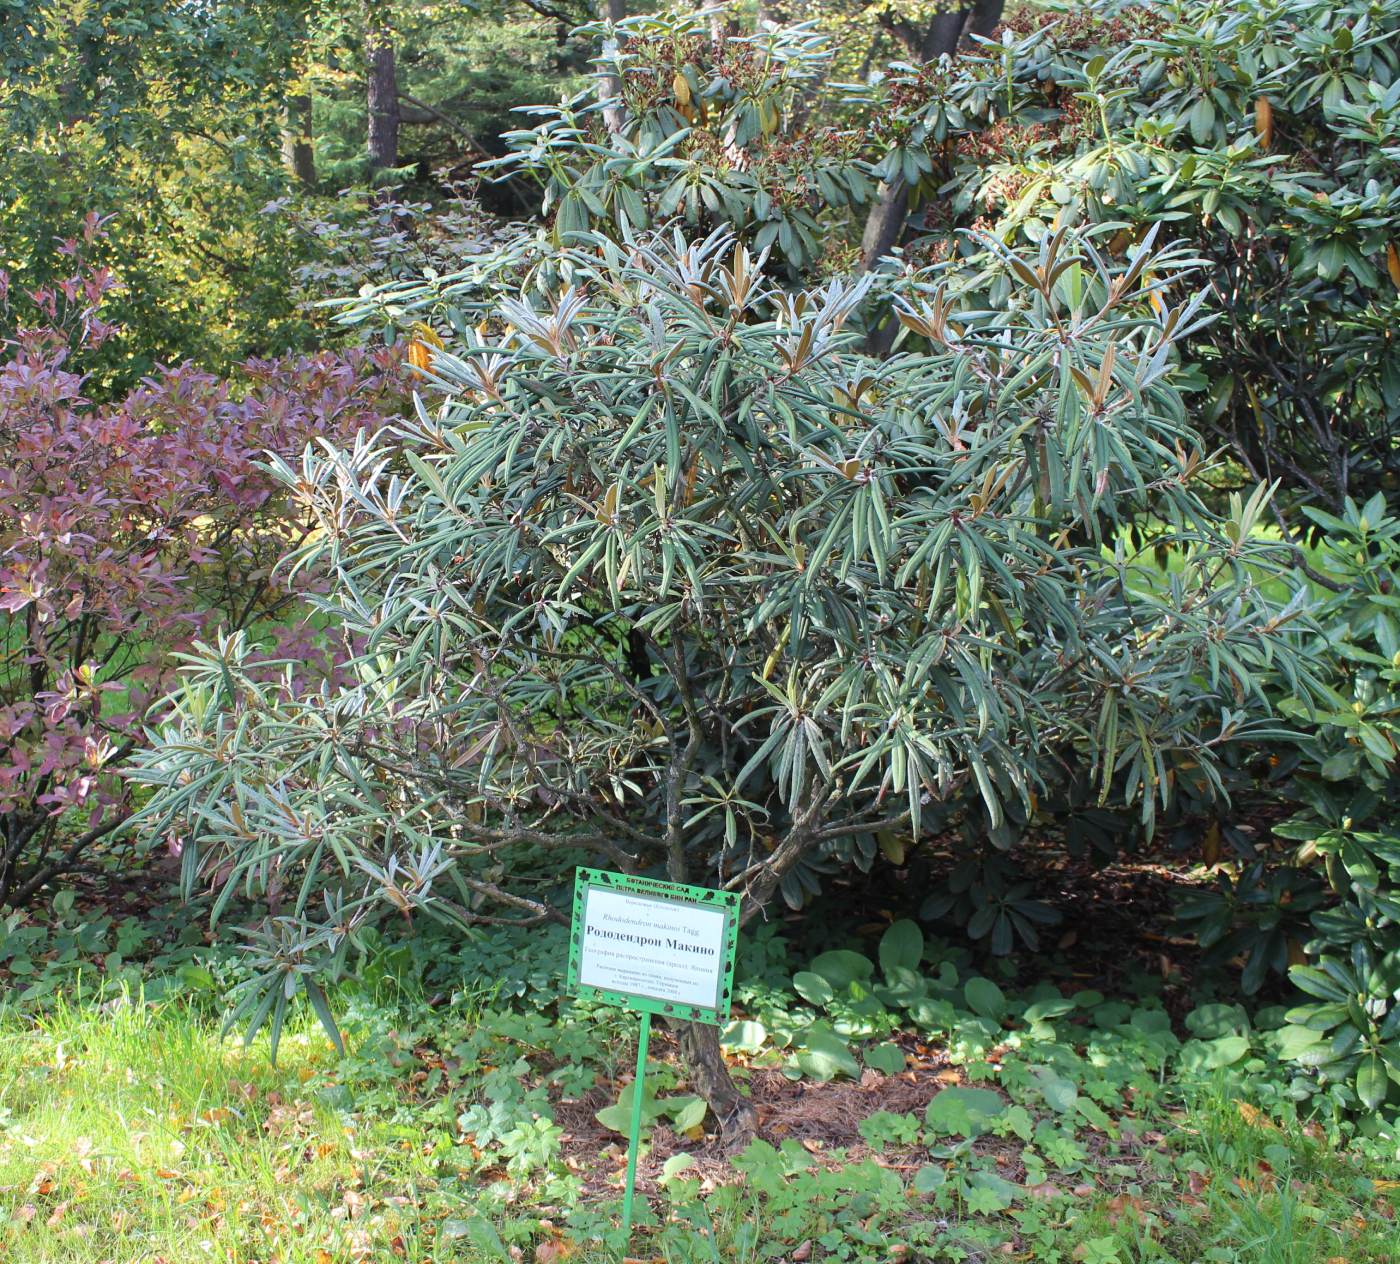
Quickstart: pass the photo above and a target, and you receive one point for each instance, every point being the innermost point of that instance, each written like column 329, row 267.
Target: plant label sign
column 658, row 947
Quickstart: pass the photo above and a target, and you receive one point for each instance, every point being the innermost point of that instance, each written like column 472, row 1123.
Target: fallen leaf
column 1255, row 1117
column 1128, row 1205
column 803, row 1252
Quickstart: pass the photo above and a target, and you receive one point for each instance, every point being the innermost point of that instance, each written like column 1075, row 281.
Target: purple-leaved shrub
column 127, row 530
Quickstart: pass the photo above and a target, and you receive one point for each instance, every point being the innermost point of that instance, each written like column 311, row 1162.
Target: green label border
column 726, row 902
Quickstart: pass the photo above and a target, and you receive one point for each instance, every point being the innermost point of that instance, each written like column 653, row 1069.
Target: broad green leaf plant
column 1264, row 135
column 665, row 573
column 1346, row 782
column 678, row 125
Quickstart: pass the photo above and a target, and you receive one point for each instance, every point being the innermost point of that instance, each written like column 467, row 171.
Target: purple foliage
column 128, row 529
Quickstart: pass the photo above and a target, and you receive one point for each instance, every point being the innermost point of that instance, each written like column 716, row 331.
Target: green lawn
column 133, row 1133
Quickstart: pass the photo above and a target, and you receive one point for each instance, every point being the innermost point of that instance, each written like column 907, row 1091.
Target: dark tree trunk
column 888, row 217
column 944, row 31
column 710, row 1078
column 297, row 147
column 885, row 222
column 383, row 97
column 986, row 14
column 298, row 151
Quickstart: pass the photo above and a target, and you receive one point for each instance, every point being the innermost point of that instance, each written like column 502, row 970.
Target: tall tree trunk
column 610, row 86
column 298, row 152
column 885, row 224
column 944, row 31
column 722, row 22
column 383, row 99
column 985, row 16
column 297, row 148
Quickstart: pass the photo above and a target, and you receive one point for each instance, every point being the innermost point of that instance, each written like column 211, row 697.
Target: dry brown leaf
column 1255, row 1117
column 802, row 1252
column 1264, row 122
column 1210, row 844
column 1128, row 1205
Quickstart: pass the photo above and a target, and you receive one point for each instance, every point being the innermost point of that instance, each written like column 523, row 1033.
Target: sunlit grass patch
column 134, row 1132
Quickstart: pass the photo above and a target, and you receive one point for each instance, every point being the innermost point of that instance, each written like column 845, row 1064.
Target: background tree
column 173, row 124
column 298, row 145
column 938, row 36
column 382, row 90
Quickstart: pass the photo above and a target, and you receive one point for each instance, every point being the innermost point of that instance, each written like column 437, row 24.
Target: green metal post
column 638, row 1085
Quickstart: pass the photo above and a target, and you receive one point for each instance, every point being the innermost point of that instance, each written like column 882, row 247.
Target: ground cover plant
column 472, row 1118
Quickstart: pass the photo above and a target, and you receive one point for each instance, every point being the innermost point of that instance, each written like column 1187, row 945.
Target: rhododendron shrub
column 126, row 531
